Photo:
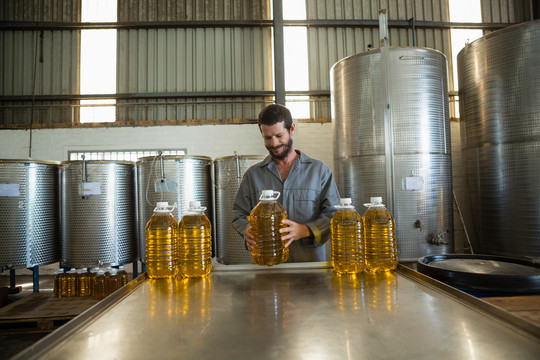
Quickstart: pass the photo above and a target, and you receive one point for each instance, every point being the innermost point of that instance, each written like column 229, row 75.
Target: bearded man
column 307, row 187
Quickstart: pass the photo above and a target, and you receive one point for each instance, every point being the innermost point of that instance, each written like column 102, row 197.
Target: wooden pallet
column 41, row 312
column 527, row 307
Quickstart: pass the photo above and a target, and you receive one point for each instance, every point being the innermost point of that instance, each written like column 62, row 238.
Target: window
column 462, row 11
column 98, row 62
column 122, row 155
column 296, row 58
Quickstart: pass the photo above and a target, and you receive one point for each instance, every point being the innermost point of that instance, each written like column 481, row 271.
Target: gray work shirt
column 309, row 194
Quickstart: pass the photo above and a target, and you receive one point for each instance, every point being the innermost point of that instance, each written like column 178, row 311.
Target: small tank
column 29, row 219
column 228, row 173
column 98, row 213
column 176, row 179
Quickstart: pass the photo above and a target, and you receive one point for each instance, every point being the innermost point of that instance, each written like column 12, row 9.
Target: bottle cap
column 196, row 206
column 344, row 203
column 269, row 195
column 163, row 206
column 375, row 201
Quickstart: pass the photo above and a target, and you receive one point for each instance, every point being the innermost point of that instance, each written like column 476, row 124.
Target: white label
column 9, row 190
column 165, row 185
column 90, row 188
column 414, row 183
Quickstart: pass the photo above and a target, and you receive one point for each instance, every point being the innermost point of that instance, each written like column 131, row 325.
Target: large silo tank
column 499, row 87
column 29, row 221
column 417, row 188
column 177, row 179
column 228, row 173
column 98, row 213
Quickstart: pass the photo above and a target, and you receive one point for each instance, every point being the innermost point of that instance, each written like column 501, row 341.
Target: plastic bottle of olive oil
column 59, row 281
column 162, row 243
column 124, row 277
column 100, row 289
column 83, row 282
column 379, row 237
column 93, row 274
column 113, row 281
column 71, row 283
column 266, row 219
column 195, row 242
column 347, row 239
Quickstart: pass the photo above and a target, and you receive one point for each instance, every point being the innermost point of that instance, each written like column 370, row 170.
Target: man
column 308, row 190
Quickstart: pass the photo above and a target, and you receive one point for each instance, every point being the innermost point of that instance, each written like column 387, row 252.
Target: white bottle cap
column 269, row 195
column 162, row 206
column 376, row 200
column 345, row 201
column 194, row 204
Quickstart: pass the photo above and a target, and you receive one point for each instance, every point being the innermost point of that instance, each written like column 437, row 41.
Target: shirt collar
column 303, row 158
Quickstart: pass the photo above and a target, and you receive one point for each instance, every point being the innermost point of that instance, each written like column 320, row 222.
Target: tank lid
column 241, row 157
column 123, row 162
column 22, row 161
column 173, row 157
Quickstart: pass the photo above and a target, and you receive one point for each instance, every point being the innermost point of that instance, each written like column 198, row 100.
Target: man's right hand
column 249, row 239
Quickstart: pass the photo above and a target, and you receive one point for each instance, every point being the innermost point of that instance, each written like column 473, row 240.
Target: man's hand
column 293, row 231
column 249, row 239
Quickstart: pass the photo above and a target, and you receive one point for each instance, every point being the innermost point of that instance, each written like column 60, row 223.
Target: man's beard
column 283, row 154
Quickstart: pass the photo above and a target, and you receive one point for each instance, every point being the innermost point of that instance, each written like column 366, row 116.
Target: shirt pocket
column 306, row 205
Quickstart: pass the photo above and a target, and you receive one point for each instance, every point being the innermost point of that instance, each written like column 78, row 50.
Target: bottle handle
column 278, row 195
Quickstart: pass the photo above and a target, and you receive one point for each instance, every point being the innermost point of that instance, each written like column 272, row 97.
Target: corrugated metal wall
column 193, row 60
column 226, row 61
column 53, row 54
column 506, row 11
column 328, row 45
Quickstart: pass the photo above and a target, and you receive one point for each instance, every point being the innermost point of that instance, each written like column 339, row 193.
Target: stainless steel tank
column 98, row 213
column 406, row 158
column 228, row 173
column 499, row 87
column 177, row 179
column 29, row 219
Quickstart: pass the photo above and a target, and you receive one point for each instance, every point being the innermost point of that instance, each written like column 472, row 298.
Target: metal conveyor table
column 291, row 311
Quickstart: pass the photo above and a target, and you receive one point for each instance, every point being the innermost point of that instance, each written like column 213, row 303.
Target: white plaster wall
column 204, row 140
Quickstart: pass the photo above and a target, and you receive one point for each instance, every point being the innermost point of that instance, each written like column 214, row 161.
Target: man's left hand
column 293, row 231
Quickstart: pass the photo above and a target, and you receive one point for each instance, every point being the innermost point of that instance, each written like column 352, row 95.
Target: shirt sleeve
column 320, row 227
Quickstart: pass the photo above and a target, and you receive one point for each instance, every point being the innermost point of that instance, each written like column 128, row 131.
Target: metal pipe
column 388, row 126
column 162, row 166
column 356, row 23
column 35, row 274
column 279, row 52
column 84, row 178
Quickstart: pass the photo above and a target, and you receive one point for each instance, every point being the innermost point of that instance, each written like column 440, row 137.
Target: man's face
column 277, row 139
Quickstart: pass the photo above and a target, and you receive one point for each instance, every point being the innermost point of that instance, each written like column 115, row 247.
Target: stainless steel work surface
column 290, row 311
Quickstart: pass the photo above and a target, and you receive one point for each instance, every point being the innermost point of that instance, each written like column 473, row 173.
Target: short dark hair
column 272, row 114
